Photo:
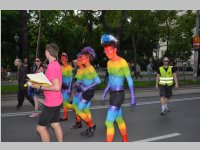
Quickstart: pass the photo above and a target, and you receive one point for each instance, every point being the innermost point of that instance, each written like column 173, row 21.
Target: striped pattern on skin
column 66, row 74
column 119, row 68
column 118, row 71
column 79, row 74
column 89, row 76
column 113, row 115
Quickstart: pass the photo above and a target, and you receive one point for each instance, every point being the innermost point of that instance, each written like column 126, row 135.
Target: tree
column 39, row 33
column 180, row 45
column 24, row 33
column 166, row 21
column 142, row 34
column 10, row 25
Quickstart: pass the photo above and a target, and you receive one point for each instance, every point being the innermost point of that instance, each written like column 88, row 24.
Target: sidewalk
column 139, row 92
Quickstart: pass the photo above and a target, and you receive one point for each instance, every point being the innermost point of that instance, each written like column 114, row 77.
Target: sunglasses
column 165, row 60
column 37, row 60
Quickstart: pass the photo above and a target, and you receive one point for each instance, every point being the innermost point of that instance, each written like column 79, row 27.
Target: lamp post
column 16, row 37
column 196, row 50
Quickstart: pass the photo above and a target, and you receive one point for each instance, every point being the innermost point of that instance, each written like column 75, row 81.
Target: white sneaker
column 33, row 115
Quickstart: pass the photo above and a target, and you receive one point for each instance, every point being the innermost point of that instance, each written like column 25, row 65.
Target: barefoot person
column 77, row 92
column 66, row 85
column 118, row 71
column 53, row 97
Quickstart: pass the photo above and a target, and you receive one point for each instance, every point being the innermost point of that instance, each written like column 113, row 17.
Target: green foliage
column 139, row 32
column 181, row 38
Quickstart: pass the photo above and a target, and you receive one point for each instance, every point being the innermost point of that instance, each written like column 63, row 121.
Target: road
column 144, row 123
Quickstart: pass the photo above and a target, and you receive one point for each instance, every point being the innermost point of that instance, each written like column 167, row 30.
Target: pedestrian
column 132, row 68
column 75, row 67
column 138, row 71
column 53, row 97
column 77, row 92
column 118, row 70
column 21, row 77
column 27, row 65
column 89, row 81
column 66, row 85
column 166, row 75
column 36, row 93
column 149, row 71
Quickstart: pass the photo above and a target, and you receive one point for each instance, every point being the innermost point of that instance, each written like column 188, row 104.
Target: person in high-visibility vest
column 166, row 77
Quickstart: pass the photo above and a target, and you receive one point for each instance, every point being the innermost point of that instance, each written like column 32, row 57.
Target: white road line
column 159, row 137
column 106, row 106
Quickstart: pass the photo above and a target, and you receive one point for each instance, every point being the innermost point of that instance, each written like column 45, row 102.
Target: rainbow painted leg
column 85, row 115
column 122, row 126
column 87, row 110
column 66, row 105
column 65, row 112
column 75, row 103
column 110, row 118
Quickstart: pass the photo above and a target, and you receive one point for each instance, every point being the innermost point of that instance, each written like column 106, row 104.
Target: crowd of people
column 79, row 83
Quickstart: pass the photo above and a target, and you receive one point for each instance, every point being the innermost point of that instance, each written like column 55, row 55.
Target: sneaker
column 167, row 110
column 91, row 131
column 77, row 125
column 63, row 119
column 85, row 133
column 34, row 115
column 162, row 113
column 18, row 107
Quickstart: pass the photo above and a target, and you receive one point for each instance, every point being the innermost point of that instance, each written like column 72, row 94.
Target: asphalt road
column 144, row 123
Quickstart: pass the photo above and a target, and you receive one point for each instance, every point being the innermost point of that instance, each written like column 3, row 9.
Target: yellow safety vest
column 166, row 77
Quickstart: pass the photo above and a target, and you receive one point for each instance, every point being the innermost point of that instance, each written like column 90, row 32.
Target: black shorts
column 49, row 115
column 165, row 91
column 88, row 95
column 117, row 98
column 65, row 87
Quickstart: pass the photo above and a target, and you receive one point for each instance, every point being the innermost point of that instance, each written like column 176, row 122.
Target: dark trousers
column 20, row 96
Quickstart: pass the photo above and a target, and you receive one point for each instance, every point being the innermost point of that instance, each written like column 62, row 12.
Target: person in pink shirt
column 53, row 97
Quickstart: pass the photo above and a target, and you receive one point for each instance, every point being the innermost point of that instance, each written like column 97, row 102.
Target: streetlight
column 196, row 49
column 16, row 37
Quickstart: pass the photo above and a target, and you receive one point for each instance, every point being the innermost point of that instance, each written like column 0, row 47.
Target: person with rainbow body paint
column 78, row 93
column 89, row 80
column 66, row 85
column 118, row 70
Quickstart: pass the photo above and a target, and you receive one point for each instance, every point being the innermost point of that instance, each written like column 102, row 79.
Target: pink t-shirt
column 53, row 98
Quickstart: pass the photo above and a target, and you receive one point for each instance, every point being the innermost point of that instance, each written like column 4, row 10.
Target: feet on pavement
column 162, row 113
column 89, row 132
column 63, row 119
column 77, row 125
column 33, row 115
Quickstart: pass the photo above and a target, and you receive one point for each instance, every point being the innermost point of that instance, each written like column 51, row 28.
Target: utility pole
column 196, row 50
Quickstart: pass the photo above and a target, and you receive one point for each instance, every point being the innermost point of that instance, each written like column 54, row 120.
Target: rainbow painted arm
column 70, row 87
column 105, row 92
column 132, row 90
column 96, row 82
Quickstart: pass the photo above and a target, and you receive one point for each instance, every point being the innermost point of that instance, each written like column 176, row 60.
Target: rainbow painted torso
column 118, row 71
column 79, row 75
column 90, row 76
column 66, row 74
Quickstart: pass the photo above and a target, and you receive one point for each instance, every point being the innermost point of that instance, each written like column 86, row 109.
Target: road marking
column 106, row 106
column 159, row 137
